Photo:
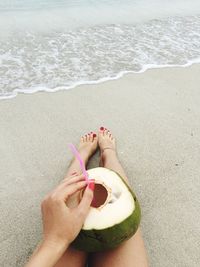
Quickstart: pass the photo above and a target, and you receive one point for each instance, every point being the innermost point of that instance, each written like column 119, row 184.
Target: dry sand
column 155, row 117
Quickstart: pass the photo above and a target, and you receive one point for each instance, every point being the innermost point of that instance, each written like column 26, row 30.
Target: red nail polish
column 91, row 185
column 101, row 128
column 94, row 135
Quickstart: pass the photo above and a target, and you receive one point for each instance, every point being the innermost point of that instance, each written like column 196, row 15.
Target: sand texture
column 155, row 117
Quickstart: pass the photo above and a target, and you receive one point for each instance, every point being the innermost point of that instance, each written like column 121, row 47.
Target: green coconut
column 114, row 215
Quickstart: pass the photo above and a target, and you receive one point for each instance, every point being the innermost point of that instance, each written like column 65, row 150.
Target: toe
column 104, row 132
column 94, row 137
column 110, row 135
column 107, row 132
column 101, row 130
column 90, row 137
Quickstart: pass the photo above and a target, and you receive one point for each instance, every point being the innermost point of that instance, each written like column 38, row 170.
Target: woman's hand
column 61, row 224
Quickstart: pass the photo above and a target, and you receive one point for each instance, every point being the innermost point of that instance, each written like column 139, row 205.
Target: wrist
column 56, row 245
column 47, row 254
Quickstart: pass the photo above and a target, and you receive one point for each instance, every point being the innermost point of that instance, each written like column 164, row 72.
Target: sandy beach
column 155, row 117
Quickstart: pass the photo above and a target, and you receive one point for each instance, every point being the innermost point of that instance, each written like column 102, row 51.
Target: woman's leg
column 132, row 252
column 87, row 146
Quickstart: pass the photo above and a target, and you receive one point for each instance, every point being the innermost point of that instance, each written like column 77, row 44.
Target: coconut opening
column 100, row 196
column 111, row 195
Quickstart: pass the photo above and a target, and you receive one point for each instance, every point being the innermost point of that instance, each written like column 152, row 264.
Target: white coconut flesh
column 112, row 202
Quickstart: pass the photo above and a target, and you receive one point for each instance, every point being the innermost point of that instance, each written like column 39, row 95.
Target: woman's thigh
column 131, row 253
column 73, row 258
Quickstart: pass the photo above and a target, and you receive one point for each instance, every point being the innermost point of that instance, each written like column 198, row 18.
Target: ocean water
column 57, row 44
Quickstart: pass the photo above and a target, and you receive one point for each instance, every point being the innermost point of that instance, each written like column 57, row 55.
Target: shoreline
column 120, row 75
column 155, row 118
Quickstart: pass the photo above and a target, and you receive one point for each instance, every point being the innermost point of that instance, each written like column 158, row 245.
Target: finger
column 76, row 179
column 67, row 182
column 71, row 189
column 73, row 179
column 84, row 206
column 73, row 174
column 70, row 176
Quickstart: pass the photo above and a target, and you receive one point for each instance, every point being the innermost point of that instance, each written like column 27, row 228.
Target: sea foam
column 57, row 48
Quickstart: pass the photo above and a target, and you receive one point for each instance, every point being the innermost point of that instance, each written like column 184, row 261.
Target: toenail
column 94, row 135
column 101, row 128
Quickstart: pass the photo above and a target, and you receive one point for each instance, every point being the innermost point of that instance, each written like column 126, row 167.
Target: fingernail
column 94, row 135
column 102, row 128
column 73, row 173
column 91, row 185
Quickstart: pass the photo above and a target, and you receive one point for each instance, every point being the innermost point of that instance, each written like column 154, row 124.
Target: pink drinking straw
column 82, row 165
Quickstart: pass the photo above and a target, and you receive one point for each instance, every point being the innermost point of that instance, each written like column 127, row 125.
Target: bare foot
column 88, row 146
column 107, row 143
